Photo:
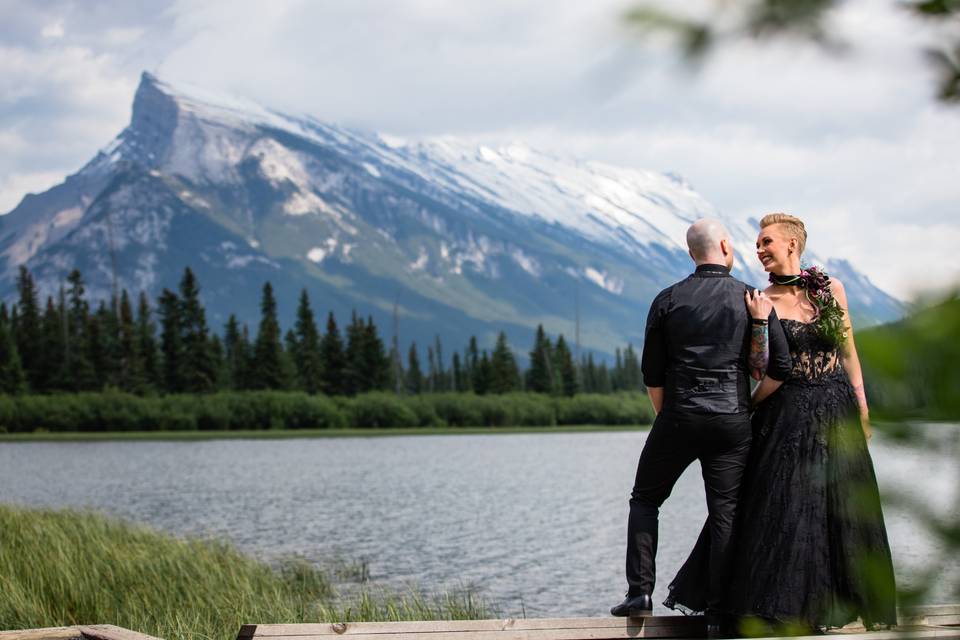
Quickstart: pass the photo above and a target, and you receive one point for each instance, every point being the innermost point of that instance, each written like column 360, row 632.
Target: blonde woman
column 810, row 542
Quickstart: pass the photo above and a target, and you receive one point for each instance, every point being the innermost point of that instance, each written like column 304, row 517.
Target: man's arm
column 656, row 398
column 653, row 361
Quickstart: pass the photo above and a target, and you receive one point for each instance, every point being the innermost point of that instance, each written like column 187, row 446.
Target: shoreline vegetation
column 286, row 412
column 67, row 567
column 284, row 434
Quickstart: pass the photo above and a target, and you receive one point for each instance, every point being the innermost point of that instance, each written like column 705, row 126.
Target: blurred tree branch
column 804, row 19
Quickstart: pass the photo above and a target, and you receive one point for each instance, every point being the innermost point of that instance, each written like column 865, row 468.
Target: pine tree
column 215, row 346
column 354, row 379
column 269, row 371
column 50, row 354
column 458, row 377
column 29, row 328
column 441, row 379
column 483, row 377
column 431, row 380
column 505, row 375
column 567, row 371
column 603, row 379
column 77, row 371
column 171, row 342
column 633, row 379
column 147, row 344
column 102, row 346
column 414, row 375
column 472, row 360
column 540, row 378
column 13, row 379
column 616, row 376
column 333, row 359
column 307, row 353
column 236, row 355
column 376, row 361
column 589, row 374
column 199, row 369
column 131, row 362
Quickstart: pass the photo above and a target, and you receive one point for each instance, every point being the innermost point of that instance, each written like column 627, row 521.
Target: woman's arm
column 850, row 360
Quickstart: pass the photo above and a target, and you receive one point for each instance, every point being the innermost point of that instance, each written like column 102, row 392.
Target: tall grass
column 61, row 568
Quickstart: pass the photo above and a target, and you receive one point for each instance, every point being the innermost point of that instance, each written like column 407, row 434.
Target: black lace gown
column 809, row 544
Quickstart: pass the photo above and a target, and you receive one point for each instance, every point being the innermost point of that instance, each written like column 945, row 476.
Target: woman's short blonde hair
column 792, row 226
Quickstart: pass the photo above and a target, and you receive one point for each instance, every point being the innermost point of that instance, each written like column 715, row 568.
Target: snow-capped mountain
column 462, row 239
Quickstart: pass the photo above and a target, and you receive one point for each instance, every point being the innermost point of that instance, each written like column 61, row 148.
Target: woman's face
column 775, row 249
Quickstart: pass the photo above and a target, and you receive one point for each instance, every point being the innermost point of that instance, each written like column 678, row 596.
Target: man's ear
column 724, row 247
column 690, row 253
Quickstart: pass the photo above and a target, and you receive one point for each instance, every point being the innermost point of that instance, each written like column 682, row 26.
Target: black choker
column 795, row 280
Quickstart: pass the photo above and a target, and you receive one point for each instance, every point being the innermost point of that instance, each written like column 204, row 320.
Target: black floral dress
column 810, row 545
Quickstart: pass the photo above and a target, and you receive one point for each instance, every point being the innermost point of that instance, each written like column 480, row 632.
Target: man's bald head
column 709, row 242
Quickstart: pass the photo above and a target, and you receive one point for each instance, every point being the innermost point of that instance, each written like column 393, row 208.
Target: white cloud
column 855, row 137
column 54, row 30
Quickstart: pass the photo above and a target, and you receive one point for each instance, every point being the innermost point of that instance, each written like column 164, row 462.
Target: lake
column 536, row 522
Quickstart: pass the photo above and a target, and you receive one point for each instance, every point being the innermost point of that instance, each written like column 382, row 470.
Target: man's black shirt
column 698, row 341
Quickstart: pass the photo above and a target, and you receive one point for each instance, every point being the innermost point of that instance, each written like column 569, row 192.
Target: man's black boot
column 634, row 606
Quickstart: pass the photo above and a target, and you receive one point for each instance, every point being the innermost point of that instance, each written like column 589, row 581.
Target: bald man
column 705, row 336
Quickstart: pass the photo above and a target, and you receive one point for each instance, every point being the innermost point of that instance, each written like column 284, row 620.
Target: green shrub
column 379, row 409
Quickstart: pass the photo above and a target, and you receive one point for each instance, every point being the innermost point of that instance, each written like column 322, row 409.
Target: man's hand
column 758, row 304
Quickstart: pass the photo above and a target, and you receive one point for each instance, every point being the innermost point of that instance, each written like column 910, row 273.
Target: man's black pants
column 722, row 444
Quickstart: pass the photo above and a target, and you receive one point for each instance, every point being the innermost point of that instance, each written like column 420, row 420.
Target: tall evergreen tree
column 77, row 371
column 269, row 371
column 414, row 375
column 236, row 355
column 431, row 379
column 307, row 354
column 334, row 360
column 472, row 360
column 633, row 379
column 171, row 342
column 441, row 383
column 376, row 361
column 567, row 371
column 354, row 379
column 131, row 361
column 540, row 375
column 147, row 344
column 50, row 354
column 458, row 377
column 199, row 368
column 505, row 375
column 483, row 375
column 12, row 376
column 29, row 328
column 102, row 346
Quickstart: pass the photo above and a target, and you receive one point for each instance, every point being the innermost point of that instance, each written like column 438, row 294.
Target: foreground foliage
column 61, row 568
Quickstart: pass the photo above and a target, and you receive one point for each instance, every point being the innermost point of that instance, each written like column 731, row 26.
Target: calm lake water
column 536, row 522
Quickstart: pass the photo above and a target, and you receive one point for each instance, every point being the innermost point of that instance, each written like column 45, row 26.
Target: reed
column 66, row 567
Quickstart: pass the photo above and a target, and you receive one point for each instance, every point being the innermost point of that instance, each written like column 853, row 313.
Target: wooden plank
column 686, row 623
column 48, row 633
column 112, row 632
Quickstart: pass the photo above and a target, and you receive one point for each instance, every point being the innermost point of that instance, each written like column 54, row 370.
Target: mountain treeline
column 130, row 345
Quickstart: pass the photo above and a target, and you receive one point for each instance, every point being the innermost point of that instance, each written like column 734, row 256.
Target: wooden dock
column 935, row 621
column 932, row 621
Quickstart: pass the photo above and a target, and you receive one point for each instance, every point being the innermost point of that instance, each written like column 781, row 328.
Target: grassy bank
column 60, row 568
column 280, row 410
column 280, row 434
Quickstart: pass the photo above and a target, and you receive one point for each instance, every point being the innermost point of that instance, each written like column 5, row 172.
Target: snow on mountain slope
column 466, row 238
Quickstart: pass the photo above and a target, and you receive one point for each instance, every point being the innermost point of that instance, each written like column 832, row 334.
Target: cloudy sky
column 854, row 143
